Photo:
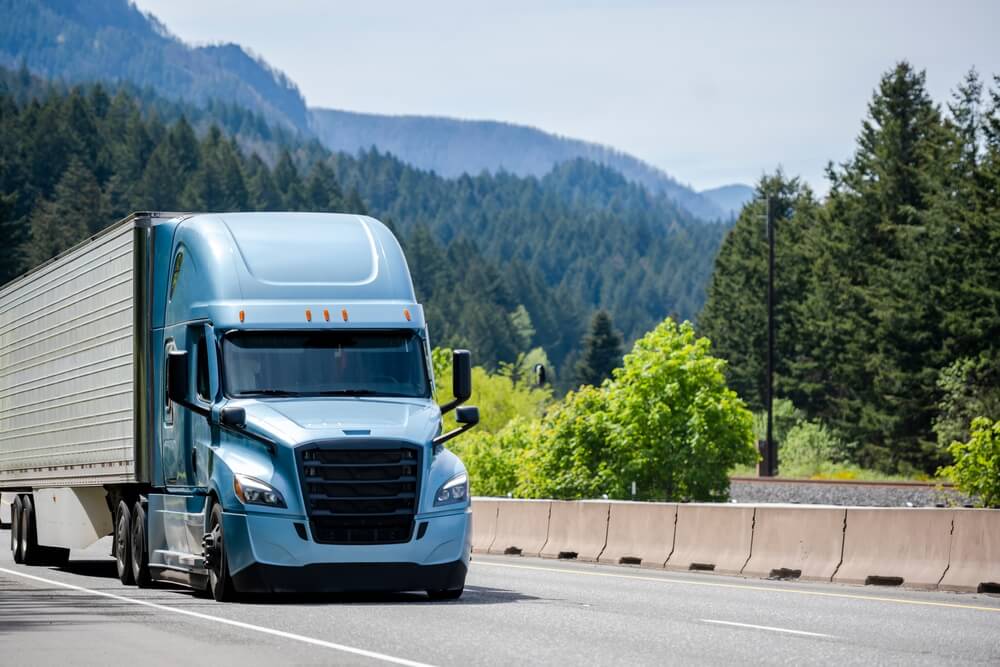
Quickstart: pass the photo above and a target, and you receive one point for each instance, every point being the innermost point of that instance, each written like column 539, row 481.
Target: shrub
column 786, row 415
column 969, row 387
column 976, row 470
column 809, row 448
column 501, row 397
column 679, row 428
column 666, row 421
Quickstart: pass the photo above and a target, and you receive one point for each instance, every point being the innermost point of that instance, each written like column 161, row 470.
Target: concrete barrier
column 713, row 538
column 484, row 524
column 792, row 542
column 640, row 534
column 577, row 530
column 522, row 527
column 896, row 547
column 974, row 563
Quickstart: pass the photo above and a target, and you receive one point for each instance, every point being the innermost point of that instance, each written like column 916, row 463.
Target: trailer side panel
column 67, row 368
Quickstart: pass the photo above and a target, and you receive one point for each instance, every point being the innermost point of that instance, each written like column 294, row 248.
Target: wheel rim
column 218, row 553
column 121, row 544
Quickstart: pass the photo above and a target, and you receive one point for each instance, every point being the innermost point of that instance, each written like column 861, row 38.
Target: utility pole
column 771, row 456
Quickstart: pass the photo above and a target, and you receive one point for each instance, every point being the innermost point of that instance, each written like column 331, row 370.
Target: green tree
column 735, row 313
column 75, row 210
column 666, row 421
column 602, row 351
column 976, row 470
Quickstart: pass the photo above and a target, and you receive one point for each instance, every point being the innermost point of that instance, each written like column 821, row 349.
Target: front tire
column 139, row 562
column 16, row 516
column 123, row 543
column 220, row 583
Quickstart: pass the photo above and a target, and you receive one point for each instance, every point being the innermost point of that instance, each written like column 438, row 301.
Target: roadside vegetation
column 887, row 292
column 665, row 421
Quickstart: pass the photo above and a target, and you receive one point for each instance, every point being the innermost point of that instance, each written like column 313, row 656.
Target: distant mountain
column 730, row 198
column 452, row 147
column 112, row 40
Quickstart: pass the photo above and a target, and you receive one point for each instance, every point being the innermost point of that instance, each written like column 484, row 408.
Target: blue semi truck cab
column 286, row 436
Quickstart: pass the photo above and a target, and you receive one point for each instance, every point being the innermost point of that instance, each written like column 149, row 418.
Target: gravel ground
column 865, row 495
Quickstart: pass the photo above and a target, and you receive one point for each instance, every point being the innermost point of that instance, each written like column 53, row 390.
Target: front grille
column 361, row 496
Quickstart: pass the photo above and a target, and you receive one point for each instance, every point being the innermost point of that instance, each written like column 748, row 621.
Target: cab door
column 177, row 517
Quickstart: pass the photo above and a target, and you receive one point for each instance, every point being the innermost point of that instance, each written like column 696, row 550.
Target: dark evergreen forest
column 503, row 264
column 888, row 292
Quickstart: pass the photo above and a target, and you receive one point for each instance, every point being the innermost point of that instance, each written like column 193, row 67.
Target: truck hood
column 297, row 420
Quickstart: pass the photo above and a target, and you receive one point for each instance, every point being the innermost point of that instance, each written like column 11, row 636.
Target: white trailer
column 68, row 387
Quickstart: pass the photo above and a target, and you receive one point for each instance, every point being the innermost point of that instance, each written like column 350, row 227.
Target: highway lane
column 515, row 610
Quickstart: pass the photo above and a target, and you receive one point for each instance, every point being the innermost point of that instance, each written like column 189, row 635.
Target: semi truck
column 245, row 402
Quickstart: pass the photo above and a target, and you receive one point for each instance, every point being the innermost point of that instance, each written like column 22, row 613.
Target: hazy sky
column 712, row 92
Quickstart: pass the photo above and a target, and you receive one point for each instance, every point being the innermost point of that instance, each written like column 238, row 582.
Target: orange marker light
column 309, row 315
column 326, row 314
column 343, row 313
column 406, row 314
column 242, row 316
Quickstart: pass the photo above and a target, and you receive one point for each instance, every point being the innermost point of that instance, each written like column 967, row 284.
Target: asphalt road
column 514, row 611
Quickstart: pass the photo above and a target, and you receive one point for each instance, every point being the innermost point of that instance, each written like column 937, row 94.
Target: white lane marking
column 225, row 621
column 768, row 627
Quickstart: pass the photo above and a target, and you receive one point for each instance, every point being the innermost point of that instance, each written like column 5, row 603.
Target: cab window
column 202, row 357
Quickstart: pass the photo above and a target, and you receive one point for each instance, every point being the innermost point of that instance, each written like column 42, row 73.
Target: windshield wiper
column 347, row 392
column 266, row 392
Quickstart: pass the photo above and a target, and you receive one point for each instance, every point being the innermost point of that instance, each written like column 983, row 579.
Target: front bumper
column 350, row 577
column 266, row 552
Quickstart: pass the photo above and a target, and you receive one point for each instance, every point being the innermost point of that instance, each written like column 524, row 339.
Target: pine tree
column 13, row 237
column 322, row 192
column 288, row 182
column 602, row 351
column 735, row 314
column 871, row 323
column 75, row 211
column 262, row 192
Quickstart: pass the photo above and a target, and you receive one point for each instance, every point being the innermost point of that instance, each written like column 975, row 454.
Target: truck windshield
column 324, row 363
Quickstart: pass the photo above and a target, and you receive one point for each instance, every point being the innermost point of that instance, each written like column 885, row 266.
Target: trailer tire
column 220, row 583
column 139, row 562
column 31, row 553
column 16, row 517
column 123, row 541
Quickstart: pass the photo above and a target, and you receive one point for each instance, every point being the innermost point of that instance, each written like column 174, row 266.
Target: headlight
column 255, row 492
column 455, row 490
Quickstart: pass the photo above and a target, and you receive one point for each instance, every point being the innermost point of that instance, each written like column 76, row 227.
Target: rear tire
column 220, row 583
column 16, row 516
column 139, row 562
column 30, row 551
column 123, row 542
column 446, row 594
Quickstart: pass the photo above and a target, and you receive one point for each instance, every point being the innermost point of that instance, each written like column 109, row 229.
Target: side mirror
column 178, row 381
column 539, row 374
column 461, row 379
column 233, row 416
column 461, row 374
column 467, row 414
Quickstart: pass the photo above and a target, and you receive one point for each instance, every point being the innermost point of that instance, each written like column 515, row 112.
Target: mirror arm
column 445, row 437
column 451, row 405
column 197, row 409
